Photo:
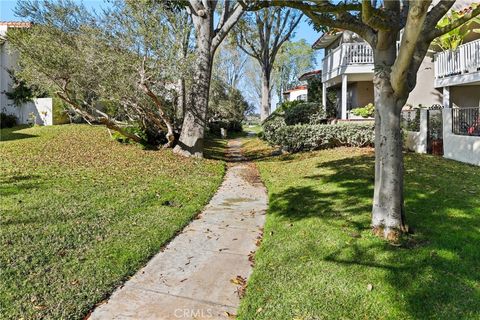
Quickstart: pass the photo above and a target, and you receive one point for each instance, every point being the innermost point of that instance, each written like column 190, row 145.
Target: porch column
column 446, row 97
column 344, row 96
column 324, row 96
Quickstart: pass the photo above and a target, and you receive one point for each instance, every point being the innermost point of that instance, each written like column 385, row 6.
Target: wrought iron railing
column 466, row 121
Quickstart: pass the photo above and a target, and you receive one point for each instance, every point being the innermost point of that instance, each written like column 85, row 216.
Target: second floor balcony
column 348, row 58
column 460, row 66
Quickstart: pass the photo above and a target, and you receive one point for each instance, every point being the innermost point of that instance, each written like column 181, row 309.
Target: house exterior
column 40, row 110
column 448, row 78
column 296, row 93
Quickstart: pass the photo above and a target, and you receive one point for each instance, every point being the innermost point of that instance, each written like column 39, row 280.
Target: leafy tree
column 294, row 59
column 111, row 69
column 227, row 106
column 395, row 76
column 454, row 38
column 261, row 35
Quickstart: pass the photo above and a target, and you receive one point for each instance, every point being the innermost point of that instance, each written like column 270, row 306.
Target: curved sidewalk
column 199, row 273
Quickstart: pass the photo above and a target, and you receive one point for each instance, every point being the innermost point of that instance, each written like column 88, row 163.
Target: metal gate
column 435, row 130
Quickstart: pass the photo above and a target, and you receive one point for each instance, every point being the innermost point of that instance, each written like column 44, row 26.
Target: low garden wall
column 459, row 147
column 416, row 141
column 39, row 110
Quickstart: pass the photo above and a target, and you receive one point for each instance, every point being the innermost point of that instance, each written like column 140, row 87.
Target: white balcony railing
column 465, row 59
column 344, row 55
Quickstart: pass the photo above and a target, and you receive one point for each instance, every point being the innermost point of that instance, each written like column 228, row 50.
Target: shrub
column 7, row 120
column 366, row 112
column 303, row 113
column 291, row 113
column 273, row 123
column 311, row 137
column 231, row 126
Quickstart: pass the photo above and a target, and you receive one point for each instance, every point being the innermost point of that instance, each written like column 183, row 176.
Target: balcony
column 460, row 66
column 348, row 58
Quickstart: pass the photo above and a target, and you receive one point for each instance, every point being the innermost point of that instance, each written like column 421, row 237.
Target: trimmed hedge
column 311, row 137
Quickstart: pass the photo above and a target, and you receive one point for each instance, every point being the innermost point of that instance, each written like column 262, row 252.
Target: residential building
column 296, row 93
column 449, row 78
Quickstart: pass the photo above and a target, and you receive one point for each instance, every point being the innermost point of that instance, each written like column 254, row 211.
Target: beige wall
column 359, row 94
column 465, row 96
column 424, row 92
column 363, row 94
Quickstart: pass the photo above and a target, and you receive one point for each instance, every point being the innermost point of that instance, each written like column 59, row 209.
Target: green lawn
column 80, row 213
column 318, row 257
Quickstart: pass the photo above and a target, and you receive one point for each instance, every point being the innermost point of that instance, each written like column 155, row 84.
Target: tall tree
column 208, row 38
column 395, row 76
column 112, row 69
column 261, row 36
column 294, row 58
column 230, row 63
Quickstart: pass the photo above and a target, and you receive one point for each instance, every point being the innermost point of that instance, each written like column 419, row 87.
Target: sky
column 7, row 7
column 304, row 30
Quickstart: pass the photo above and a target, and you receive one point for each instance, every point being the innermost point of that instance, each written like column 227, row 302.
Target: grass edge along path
column 81, row 213
column 319, row 259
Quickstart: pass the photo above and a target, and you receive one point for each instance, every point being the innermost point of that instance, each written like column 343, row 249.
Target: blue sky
column 305, row 31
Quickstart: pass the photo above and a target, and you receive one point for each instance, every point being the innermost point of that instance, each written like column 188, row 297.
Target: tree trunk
column 388, row 216
column 182, row 101
column 193, row 129
column 266, row 97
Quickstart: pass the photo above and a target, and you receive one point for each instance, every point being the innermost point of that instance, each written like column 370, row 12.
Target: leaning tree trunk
column 388, row 209
column 193, row 129
column 266, row 96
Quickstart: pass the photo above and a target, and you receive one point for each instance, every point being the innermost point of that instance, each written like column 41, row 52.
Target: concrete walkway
column 199, row 273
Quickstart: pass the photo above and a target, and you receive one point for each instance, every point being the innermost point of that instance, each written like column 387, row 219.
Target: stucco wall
column 465, row 96
column 361, row 94
column 41, row 108
column 295, row 94
column 456, row 147
column 424, row 92
column 418, row 141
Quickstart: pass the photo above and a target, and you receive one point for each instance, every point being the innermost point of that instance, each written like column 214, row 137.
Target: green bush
column 135, row 128
column 60, row 109
column 304, row 113
column 291, row 113
column 311, row 137
column 273, row 123
column 366, row 112
column 231, row 126
column 7, row 120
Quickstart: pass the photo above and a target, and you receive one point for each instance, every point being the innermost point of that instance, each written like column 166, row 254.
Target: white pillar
column 344, row 96
column 324, row 96
column 446, row 97
column 423, row 134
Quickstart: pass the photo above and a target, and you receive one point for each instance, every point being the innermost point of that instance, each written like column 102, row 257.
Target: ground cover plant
column 319, row 260
column 82, row 212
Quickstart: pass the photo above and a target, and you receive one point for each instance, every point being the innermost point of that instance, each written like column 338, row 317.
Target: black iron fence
column 466, row 121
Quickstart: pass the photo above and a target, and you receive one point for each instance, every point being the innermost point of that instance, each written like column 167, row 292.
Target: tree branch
column 455, row 24
column 232, row 19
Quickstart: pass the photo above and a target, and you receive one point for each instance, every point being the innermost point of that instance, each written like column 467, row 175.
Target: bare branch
column 232, row 19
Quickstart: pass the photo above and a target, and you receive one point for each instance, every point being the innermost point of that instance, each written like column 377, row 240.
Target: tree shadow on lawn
column 435, row 273
column 9, row 134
